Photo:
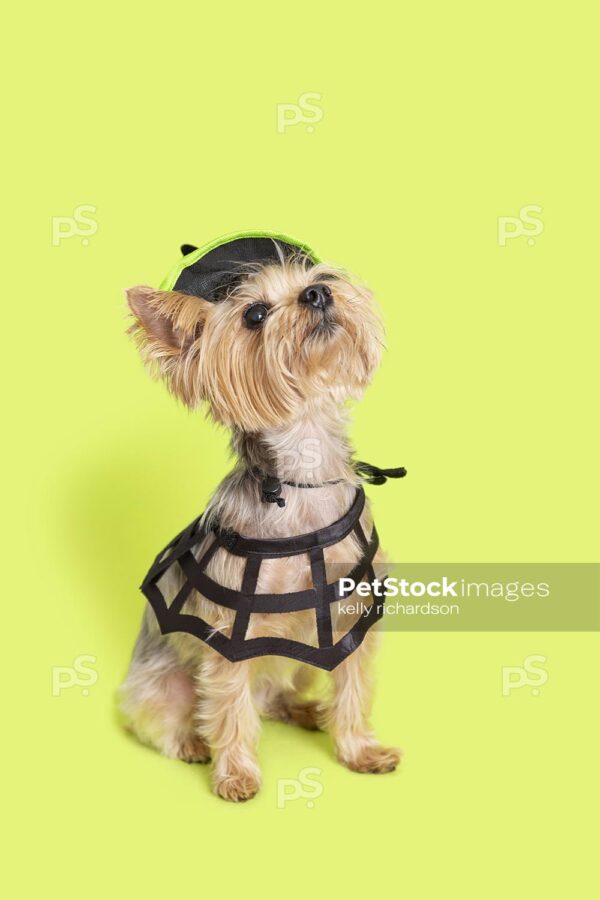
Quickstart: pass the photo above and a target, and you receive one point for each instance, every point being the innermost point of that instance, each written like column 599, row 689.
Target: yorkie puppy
column 276, row 359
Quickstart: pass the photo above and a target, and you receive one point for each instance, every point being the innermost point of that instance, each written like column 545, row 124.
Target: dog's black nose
column 317, row 295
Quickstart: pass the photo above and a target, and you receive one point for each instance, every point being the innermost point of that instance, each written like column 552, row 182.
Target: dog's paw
column 193, row 750
column 305, row 714
column 374, row 759
column 238, row 787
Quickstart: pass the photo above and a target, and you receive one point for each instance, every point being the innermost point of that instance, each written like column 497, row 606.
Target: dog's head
column 281, row 338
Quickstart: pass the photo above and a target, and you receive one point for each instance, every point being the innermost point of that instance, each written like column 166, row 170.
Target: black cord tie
column 271, row 491
column 375, row 475
column 271, row 486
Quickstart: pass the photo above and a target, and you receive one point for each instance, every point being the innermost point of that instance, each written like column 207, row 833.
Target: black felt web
column 246, row 601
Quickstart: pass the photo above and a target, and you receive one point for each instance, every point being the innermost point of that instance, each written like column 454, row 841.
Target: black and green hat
column 210, row 271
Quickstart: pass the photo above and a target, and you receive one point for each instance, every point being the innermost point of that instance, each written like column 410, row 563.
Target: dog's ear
column 167, row 327
column 166, row 322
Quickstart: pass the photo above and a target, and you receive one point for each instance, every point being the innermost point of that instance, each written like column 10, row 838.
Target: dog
column 276, row 361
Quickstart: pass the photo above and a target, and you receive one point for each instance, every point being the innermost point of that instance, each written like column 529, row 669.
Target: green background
column 436, row 119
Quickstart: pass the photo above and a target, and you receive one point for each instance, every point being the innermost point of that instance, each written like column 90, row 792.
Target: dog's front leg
column 347, row 716
column 229, row 722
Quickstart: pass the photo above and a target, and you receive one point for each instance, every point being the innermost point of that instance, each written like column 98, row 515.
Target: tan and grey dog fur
column 280, row 389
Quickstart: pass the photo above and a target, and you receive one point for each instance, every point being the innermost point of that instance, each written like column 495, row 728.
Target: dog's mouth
column 325, row 325
column 326, row 329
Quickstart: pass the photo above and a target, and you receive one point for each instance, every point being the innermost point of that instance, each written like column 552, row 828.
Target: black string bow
column 375, row 475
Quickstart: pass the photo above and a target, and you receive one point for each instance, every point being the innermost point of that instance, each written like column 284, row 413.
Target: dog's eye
column 255, row 315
